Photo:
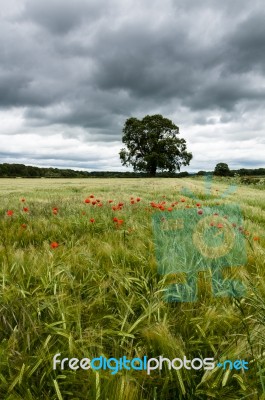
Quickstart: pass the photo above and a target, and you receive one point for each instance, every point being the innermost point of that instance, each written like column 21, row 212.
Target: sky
column 72, row 72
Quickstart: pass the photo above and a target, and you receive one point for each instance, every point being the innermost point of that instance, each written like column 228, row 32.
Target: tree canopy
column 222, row 169
column 153, row 145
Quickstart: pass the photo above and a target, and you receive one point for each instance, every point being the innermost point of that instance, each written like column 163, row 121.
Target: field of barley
column 80, row 277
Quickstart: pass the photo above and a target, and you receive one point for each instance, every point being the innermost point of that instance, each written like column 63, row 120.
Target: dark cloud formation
column 80, row 69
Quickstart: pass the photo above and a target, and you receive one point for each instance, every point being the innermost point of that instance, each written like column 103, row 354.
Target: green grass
column 99, row 293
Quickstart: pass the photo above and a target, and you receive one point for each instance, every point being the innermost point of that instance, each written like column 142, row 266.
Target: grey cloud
column 82, row 68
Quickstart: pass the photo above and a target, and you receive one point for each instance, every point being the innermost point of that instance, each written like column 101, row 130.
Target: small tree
column 152, row 145
column 222, row 169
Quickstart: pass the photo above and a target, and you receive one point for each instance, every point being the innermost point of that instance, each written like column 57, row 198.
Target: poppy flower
column 198, row 204
column 183, row 200
column 23, row 226
column 120, row 221
column 92, row 220
column 92, row 196
column 55, row 211
column 115, row 219
column 110, row 201
column 23, row 200
column 200, row 212
column 54, row 245
column 169, row 209
column 220, row 225
column 10, row 213
column 138, row 199
column 256, row 238
column 94, row 202
column 97, row 200
column 87, row 200
column 25, row 209
column 132, row 201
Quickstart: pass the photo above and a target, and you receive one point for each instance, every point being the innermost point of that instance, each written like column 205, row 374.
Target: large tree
column 222, row 169
column 152, row 145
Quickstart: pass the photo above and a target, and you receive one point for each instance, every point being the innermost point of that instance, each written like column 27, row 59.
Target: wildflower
column 97, row 200
column 94, row 202
column 87, row 200
column 110, row 201
column 256, row 238
column 132, row 201
column 200, row 212
column 55, row 211
column 169, row 209
column 23, row 200
column 54, row 245
column 138, row 199
column 220, row 225
column 198, row 204
column 92, row 196
column 23, row 226
column 120, row 221
column 115, row 219
column 25, row 209
column 10, row 213
column 92, row 220
column 183, row 200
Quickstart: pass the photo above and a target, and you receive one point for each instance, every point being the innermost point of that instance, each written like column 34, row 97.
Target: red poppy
column 23, row 200
column 92, row 220
column 54, row 245
column 55, row 211
column 132, row 201
column 110, row 201
column 256, row 238
column 169, row 209
column 115, row 219
column 10, row 213
column 220, row 225
column 138, row 199
column 99, row 204
column 92, row 196
column 183, row 200
column 23, row 226
column 87, row 200
column 198, row 204
column 97, row 200
column 25, row 209
column 94, row 202
column 200, row 212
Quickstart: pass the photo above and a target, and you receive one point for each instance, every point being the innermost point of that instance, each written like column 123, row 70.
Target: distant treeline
column 26, row 171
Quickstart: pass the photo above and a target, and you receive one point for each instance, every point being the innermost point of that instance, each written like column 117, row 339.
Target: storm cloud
column 71, row 73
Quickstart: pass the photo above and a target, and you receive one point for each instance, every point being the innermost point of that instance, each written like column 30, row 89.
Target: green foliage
column 99, row 293
column 152, row 145
column 222, row 169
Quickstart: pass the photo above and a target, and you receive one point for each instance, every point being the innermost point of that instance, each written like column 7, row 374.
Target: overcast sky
column 72, row 72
